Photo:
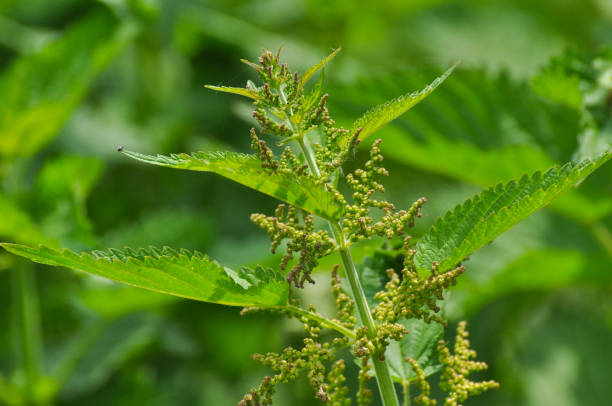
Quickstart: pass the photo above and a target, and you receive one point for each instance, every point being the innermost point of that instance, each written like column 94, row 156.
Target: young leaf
column 484, row 217
column 235, row 90
column 384, row 113
column 40, row 91
column 419, row 344
column 186, row 274
column 246, row 170
column 311, row 71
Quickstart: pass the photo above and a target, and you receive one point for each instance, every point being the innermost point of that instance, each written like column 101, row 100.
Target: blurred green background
column 79, row 78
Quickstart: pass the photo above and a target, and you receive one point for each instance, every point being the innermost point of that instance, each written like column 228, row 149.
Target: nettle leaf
column 384, row 113
column 419, row 344
column 40, row 91
column 482, row 218
column 183, row 273
column 235, row 90
column 311, row 71
column 246, row 170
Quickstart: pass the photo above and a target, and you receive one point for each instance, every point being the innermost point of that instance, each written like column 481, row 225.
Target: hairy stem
column 383, row 373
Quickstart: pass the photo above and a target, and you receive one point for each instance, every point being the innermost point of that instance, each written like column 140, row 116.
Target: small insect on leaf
column 120, row 149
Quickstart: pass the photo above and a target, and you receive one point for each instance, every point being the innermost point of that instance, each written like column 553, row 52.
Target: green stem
column 27, row 323
column 323, row 321
column 383, row 373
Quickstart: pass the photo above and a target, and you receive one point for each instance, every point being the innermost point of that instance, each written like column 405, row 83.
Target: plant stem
column 322, row 320
column 27, row 323
column 383, row 374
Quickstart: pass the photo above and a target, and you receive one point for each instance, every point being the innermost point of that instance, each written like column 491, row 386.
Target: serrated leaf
column 246, row 170
column 482, row 218
column 191, row 275
column 235, row 90
column 419, row 344
column 40, row 91
column 311, row 71
column 384, row 113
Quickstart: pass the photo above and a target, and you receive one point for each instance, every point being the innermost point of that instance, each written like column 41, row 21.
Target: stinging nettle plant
column 394, row 334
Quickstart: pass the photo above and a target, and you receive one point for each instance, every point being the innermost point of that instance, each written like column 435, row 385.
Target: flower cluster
column 458, row 366
column 302, row 238
column 329, row 386
column 414, row 296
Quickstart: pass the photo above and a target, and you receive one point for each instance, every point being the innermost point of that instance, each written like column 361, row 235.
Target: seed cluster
column 358, row 223
column 423, row 399
column 345, row 306
column 329, row 386
column 302, row 238
column 414, row 296
column 458, row 366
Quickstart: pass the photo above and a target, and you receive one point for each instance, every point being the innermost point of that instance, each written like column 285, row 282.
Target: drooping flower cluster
column 313, row 358
column 358, row 223
column 414, row 296
column 458, row 366
column 302, row 238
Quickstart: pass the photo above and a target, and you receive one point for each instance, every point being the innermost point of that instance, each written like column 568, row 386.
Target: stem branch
column 323, row 321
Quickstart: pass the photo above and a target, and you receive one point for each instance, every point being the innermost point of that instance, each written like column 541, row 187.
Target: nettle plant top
column 396, row 340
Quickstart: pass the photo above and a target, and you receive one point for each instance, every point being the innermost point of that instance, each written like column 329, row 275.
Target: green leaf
column 384, row 113
column 40, row 91
column 311, row 71
column 246, row 170
column 183, row 273
column 235, row 90
column 419, row 344
column 487, row 215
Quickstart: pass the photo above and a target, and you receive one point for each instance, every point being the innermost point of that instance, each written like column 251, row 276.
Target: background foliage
column 80, row 78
